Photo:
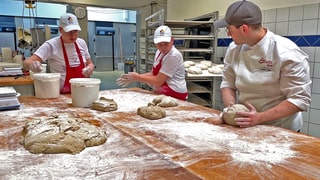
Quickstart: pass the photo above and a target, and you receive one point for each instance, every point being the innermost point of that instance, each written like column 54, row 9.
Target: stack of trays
column 8, row 98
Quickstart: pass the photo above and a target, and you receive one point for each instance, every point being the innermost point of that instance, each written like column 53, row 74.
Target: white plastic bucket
column 84, row 91
column 47, row 85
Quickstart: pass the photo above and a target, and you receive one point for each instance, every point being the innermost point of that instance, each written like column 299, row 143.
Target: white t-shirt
column 172, row 66
column 51, row 51
column 273, row 70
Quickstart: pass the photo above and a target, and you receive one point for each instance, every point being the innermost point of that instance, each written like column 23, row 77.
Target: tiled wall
column 302, row 25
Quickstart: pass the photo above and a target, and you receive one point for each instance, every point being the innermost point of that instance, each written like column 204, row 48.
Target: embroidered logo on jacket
column 266, row 65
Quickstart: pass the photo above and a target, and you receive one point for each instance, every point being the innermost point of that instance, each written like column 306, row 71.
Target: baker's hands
column 225, row 110
column 248, row 119
column 87, row 71
column 126, row 79
column 35, row 66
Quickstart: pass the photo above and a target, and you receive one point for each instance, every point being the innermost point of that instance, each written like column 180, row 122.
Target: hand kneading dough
column 61, row 134
column 194, row 70
column 230, row 115
column 165, row 101
column 104, row 104
column 151, row 112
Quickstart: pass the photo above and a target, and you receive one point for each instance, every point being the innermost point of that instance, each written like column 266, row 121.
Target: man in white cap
column 66, row 54
column 168, row 73
column 269, row 72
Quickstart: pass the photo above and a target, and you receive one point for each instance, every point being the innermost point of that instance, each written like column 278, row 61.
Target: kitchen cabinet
column 196, row 39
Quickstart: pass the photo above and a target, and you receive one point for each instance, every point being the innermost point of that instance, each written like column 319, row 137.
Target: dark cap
column 240, row 12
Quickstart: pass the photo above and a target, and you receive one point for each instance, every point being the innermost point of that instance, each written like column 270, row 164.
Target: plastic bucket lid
column 84, row 81
column 46, row 76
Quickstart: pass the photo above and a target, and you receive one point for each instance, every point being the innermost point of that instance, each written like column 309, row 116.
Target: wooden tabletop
column 189, row 143
column 15, row 80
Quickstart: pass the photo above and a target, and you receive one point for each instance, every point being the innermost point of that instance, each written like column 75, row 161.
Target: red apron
column 71, row 72
column 165, row 89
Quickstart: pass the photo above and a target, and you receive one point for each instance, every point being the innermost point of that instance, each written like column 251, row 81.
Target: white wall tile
column 314, row 130
column 317, row 54
column 310, row 51
column 316, row 86
column 310, row 11
column 220, row 52
column 282, row 14
column 316, row 72
column 271, row 26
column 270, row 15
column 315, row 105
column 318, row 26
column 222, row 33
column 306, row 116
column 295, row 28
column 305, row 128
column 282, row 28
column 311, row 69
column 310, row 27
column 296, row 13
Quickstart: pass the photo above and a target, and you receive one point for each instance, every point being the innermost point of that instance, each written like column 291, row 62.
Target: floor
column 108, row 79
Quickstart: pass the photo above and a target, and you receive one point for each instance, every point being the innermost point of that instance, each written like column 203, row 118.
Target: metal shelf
column 199, row 43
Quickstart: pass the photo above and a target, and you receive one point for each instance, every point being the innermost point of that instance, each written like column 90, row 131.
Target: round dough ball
column 202, row 66
column 191, row 63
column 104, row 104
column 229, row 115
column 194, row 70
column 215, row 70
column 165, row 101
column 206, row 62
column 220, row 66
column 151, row 112
column 188, row 64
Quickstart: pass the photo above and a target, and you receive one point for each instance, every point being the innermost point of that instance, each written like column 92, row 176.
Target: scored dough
column 165, row 101
column 202, row 66
column 191, row 63
column 61, row 134
column 229, row 115
column 104, row 104
column 215, row 70
column 194, row 70
column 151, row 112
column 206, row 62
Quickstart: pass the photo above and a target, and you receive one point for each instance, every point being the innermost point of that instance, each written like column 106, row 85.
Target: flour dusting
column 203, row 138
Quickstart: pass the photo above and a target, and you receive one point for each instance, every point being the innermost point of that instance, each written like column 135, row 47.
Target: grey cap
column 240, row 12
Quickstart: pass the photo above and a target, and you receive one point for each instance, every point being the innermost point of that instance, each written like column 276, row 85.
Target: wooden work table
column 22, row 84
column 186, row 144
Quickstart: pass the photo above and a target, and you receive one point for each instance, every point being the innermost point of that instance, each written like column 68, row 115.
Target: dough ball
column 206, row 62
column 61, row 134
column 194, row 70
column 220, row 66
column 229, row 115
column 165, row 101
column 104, row 104
column 188, row 63
column 215, row 70
column 151, row 112
column 202, row 66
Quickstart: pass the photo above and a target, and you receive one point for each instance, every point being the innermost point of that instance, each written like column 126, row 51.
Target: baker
column 267, row 72
column 168, row 73
column 66, row 54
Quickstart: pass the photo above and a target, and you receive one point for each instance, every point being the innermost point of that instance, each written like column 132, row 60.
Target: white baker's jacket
column 267, row 73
